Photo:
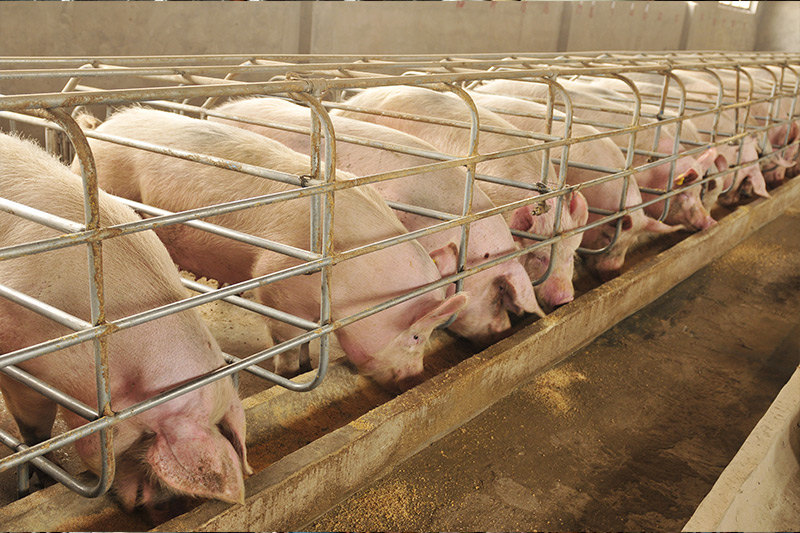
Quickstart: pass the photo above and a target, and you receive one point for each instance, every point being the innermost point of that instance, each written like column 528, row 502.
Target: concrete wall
column 435, row 27
column 717, row 27
column 778, row 26
column 625, row 25
column 125, row 28
column 148, row 28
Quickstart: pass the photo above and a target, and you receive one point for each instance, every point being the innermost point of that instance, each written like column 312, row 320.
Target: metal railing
column 196, row 83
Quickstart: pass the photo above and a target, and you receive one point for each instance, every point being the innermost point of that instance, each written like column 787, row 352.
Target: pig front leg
column 295, row 361
column 34, row 415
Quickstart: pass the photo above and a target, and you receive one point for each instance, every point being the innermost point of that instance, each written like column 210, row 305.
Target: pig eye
column 486, row 255
column 416, row 337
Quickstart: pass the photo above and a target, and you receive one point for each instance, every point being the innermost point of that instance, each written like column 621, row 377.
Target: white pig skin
column 389, row 345
column 192, row 445
column 494, row 291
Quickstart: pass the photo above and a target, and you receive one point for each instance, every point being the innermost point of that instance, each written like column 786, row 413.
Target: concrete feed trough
column 311, row 450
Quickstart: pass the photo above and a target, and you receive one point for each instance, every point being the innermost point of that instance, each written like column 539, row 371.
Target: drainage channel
column 351, row 433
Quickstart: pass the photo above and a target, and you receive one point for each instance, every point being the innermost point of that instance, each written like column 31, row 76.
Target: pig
column 193, row 445
column 778, row 166
column 750, row 177
column 687, row 168
column 493, row 292
column 388, row 346
column 606, row 195
column 784, row 164
column 525, row 168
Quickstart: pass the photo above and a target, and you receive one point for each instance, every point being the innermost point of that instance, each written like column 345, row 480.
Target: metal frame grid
column 321, row 82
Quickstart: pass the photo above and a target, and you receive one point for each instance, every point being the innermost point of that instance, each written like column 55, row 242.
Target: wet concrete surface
column 631, row 432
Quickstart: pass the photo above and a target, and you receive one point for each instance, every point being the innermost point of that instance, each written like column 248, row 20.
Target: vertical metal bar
column 552, row 85
column 316, row 201
column 631, row 149
column 324, row 239
column 469, row 185
column 23, row 480
column 97, row 297
column 773, row 107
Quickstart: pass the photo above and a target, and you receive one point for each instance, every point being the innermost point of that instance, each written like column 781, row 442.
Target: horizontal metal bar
column 42, row 217
column 310, row 85
column 253, row 306
column 260, row 242
column 46, row 310
column 47, row 467
column 50, row 392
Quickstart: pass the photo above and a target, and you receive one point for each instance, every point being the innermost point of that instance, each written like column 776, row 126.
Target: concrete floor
column 632, row 431
column 653, row 422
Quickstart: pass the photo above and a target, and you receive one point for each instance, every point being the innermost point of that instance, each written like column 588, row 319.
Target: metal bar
column 117, row 96
column 315, row 75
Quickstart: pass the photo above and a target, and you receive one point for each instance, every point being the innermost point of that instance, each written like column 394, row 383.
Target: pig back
column 138, row 273
column 453, row 140
column 143, row 360
column 360, row 215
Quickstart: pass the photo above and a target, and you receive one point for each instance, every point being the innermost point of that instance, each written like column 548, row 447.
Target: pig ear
column 656, row 226
column 516, row 291
column 627, row 223
column 521, row 219
column 446, row 259
column 783, row 162
column 686, row 178
column 442, row 313
column 777, row 136
column 721, row 162
column 758, row 183
column 707, row 159
column 232, row 427
column 196, row 460
column 579, row 208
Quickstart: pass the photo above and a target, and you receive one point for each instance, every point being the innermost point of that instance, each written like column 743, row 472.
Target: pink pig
column 493, row 291
column 749, row 179
column 525, row 168
column 606, row 195
column 389, row 345
column 193, row 445
column 687, row 208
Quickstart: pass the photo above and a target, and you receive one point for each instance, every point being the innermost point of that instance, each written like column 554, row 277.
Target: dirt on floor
column 632, row 431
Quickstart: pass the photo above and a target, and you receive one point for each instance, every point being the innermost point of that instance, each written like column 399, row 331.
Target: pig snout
column 400, row 378
column 555, row 294
column 606, row 266
column 705, row 222
column 700, row 219
column 694, row 214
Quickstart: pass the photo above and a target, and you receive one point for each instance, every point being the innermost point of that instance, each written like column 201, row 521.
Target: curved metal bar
column 637, row 110
column 469, row 185
column 322, row 235
column 92, row 218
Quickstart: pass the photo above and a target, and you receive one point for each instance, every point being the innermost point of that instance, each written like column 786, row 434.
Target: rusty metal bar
column 314, row 75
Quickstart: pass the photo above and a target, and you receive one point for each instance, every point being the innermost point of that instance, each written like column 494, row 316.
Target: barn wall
column 435, row 27
column 778, row 26
column 718, row 27
column 625, row 25
column 125, row 28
